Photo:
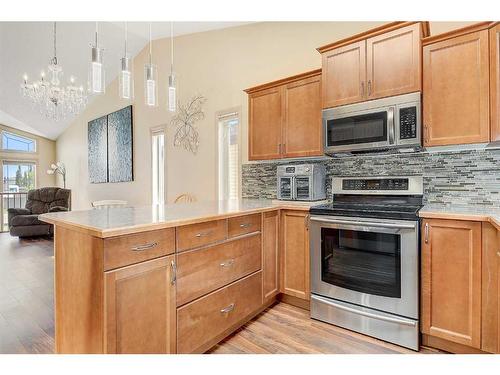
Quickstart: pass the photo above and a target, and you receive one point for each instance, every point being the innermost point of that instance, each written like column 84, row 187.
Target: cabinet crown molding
column 282, row 81
column 374, row 32
column 458, row 32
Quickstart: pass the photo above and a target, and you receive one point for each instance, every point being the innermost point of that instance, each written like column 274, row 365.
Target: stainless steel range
column 365, row 257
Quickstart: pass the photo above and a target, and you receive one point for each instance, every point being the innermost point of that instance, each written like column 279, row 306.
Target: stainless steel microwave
column 392, row 122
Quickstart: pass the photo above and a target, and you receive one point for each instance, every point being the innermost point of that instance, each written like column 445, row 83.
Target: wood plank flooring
column 27, row 314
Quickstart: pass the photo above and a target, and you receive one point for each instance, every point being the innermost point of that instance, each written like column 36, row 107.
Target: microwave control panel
column 408, row 122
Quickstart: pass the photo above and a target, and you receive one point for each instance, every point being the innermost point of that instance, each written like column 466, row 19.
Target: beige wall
column 44, row 156
column 218, row 64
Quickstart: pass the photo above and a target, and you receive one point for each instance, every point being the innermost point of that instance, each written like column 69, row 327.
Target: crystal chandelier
column 55, row 101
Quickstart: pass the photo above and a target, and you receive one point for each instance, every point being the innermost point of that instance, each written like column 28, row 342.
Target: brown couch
column 23, row 222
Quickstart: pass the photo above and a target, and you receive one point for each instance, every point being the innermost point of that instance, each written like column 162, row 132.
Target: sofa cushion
column 23, row 220
column 41, row 200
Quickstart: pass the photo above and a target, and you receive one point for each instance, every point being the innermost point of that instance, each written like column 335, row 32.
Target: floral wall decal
column 186, row 135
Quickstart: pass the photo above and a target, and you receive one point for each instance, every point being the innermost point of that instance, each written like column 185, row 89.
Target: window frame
column 2, row 149
column 228, row 114
column 153, row 131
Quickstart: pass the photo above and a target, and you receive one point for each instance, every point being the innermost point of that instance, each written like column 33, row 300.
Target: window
column 18, row 177
column 158, row 165
column 229, row 156
column 14, row 142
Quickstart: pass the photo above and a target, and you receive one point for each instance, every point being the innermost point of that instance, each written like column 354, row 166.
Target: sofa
column 23, row 222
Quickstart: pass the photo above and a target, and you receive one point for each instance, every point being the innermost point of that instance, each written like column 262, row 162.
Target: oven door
column 303, row 188
column 368, row 262
column 286, row 187
column 360, row 130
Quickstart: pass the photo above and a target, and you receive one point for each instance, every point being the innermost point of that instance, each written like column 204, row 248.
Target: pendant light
column 172, row 90
column 150, row 77
column 97, row 82
column 126, row 79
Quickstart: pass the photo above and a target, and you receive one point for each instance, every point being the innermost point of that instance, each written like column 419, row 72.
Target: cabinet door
column 140, row 308
column 456, row 90
column 498, row 291
column 393, row 62
column 451, row 280
column 295, row 254
column 270, row 257
column 495, row 82
column 344, row 75
column 264, row 128
column 302, row 118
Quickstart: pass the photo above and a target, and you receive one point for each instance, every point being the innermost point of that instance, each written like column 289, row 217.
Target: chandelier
column 53, row 100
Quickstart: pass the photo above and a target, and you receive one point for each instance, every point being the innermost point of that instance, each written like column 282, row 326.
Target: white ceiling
column 27, row 48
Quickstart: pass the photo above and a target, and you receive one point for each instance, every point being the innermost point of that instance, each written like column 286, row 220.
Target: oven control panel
column 375, row 184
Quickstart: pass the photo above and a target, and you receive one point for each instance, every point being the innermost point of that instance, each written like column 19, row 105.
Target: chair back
column 185, row 198
column 108, row 203
column 41, row 200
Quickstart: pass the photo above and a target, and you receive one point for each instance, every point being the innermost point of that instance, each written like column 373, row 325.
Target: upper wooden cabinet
column 285, row 118
column 295, row 254
column 495, row 81
column 451, row 281
column 456, row 88
column 382, row 62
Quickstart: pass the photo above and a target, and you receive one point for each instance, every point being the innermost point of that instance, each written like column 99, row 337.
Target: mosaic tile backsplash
column 450, row 177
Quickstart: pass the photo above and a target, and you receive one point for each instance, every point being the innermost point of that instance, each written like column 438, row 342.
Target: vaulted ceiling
column 26, row 48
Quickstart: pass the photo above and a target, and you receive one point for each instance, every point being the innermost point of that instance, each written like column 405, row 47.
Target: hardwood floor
column 27, row 314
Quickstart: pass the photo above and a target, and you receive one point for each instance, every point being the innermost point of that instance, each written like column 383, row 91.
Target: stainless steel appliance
column 365, row 257
column 392, row 122
column 304, row 182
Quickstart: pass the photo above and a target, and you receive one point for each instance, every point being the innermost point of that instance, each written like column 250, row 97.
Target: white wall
column 218, row 64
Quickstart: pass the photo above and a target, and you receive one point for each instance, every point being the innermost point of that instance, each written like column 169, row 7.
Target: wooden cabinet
column 490, row 324
column 140, row 308
column 456, row 88
column 451, row 281
column 295, row 254
column 302, row 118
column 270, row 254
column 264, row 124
column 393, row 64
column 495, row 82
column 381, row 62
column 344, row 75
column 285, row 118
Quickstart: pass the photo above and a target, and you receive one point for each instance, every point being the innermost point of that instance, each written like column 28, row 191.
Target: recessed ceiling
column 27, row 48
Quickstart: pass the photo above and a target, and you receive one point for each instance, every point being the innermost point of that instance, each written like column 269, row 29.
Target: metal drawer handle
column 426, row 232
column 498, row 253
column 173, row 277
column 405, row 322
column 227, row 263
column 144, row 247
column 245, row 225
column 228, row 309
column 203, row 234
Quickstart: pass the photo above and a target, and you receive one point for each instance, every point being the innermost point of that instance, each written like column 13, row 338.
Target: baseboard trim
column 448, row 346
column 295, row 301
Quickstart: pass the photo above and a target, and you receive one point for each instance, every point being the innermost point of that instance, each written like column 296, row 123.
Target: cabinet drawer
column 134, row 248
column 202, row 271
column 195, row 235
column 236, row 226
column 208, row 318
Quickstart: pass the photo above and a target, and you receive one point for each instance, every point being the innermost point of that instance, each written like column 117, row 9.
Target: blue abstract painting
column 110, row 146
column 98, row 149
column 120, row 148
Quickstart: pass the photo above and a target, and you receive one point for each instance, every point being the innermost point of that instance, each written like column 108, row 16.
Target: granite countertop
column 110, row 222
column 462, row 212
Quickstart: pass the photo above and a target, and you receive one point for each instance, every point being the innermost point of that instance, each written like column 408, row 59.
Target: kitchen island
column 173, row 278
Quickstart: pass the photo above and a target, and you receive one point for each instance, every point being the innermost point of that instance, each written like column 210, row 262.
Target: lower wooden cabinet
column 140, row 308
column 270, row 254
column 451, row 281
column 295, row 254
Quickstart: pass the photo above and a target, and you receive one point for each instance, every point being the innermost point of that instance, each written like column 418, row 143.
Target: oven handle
column 405, row 322
column 363, row 224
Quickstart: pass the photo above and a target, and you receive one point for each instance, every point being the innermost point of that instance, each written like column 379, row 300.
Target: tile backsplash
column 455, row 177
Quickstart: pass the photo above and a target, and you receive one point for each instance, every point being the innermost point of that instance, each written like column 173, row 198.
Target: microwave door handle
column 293, row 184
column 390, row 121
